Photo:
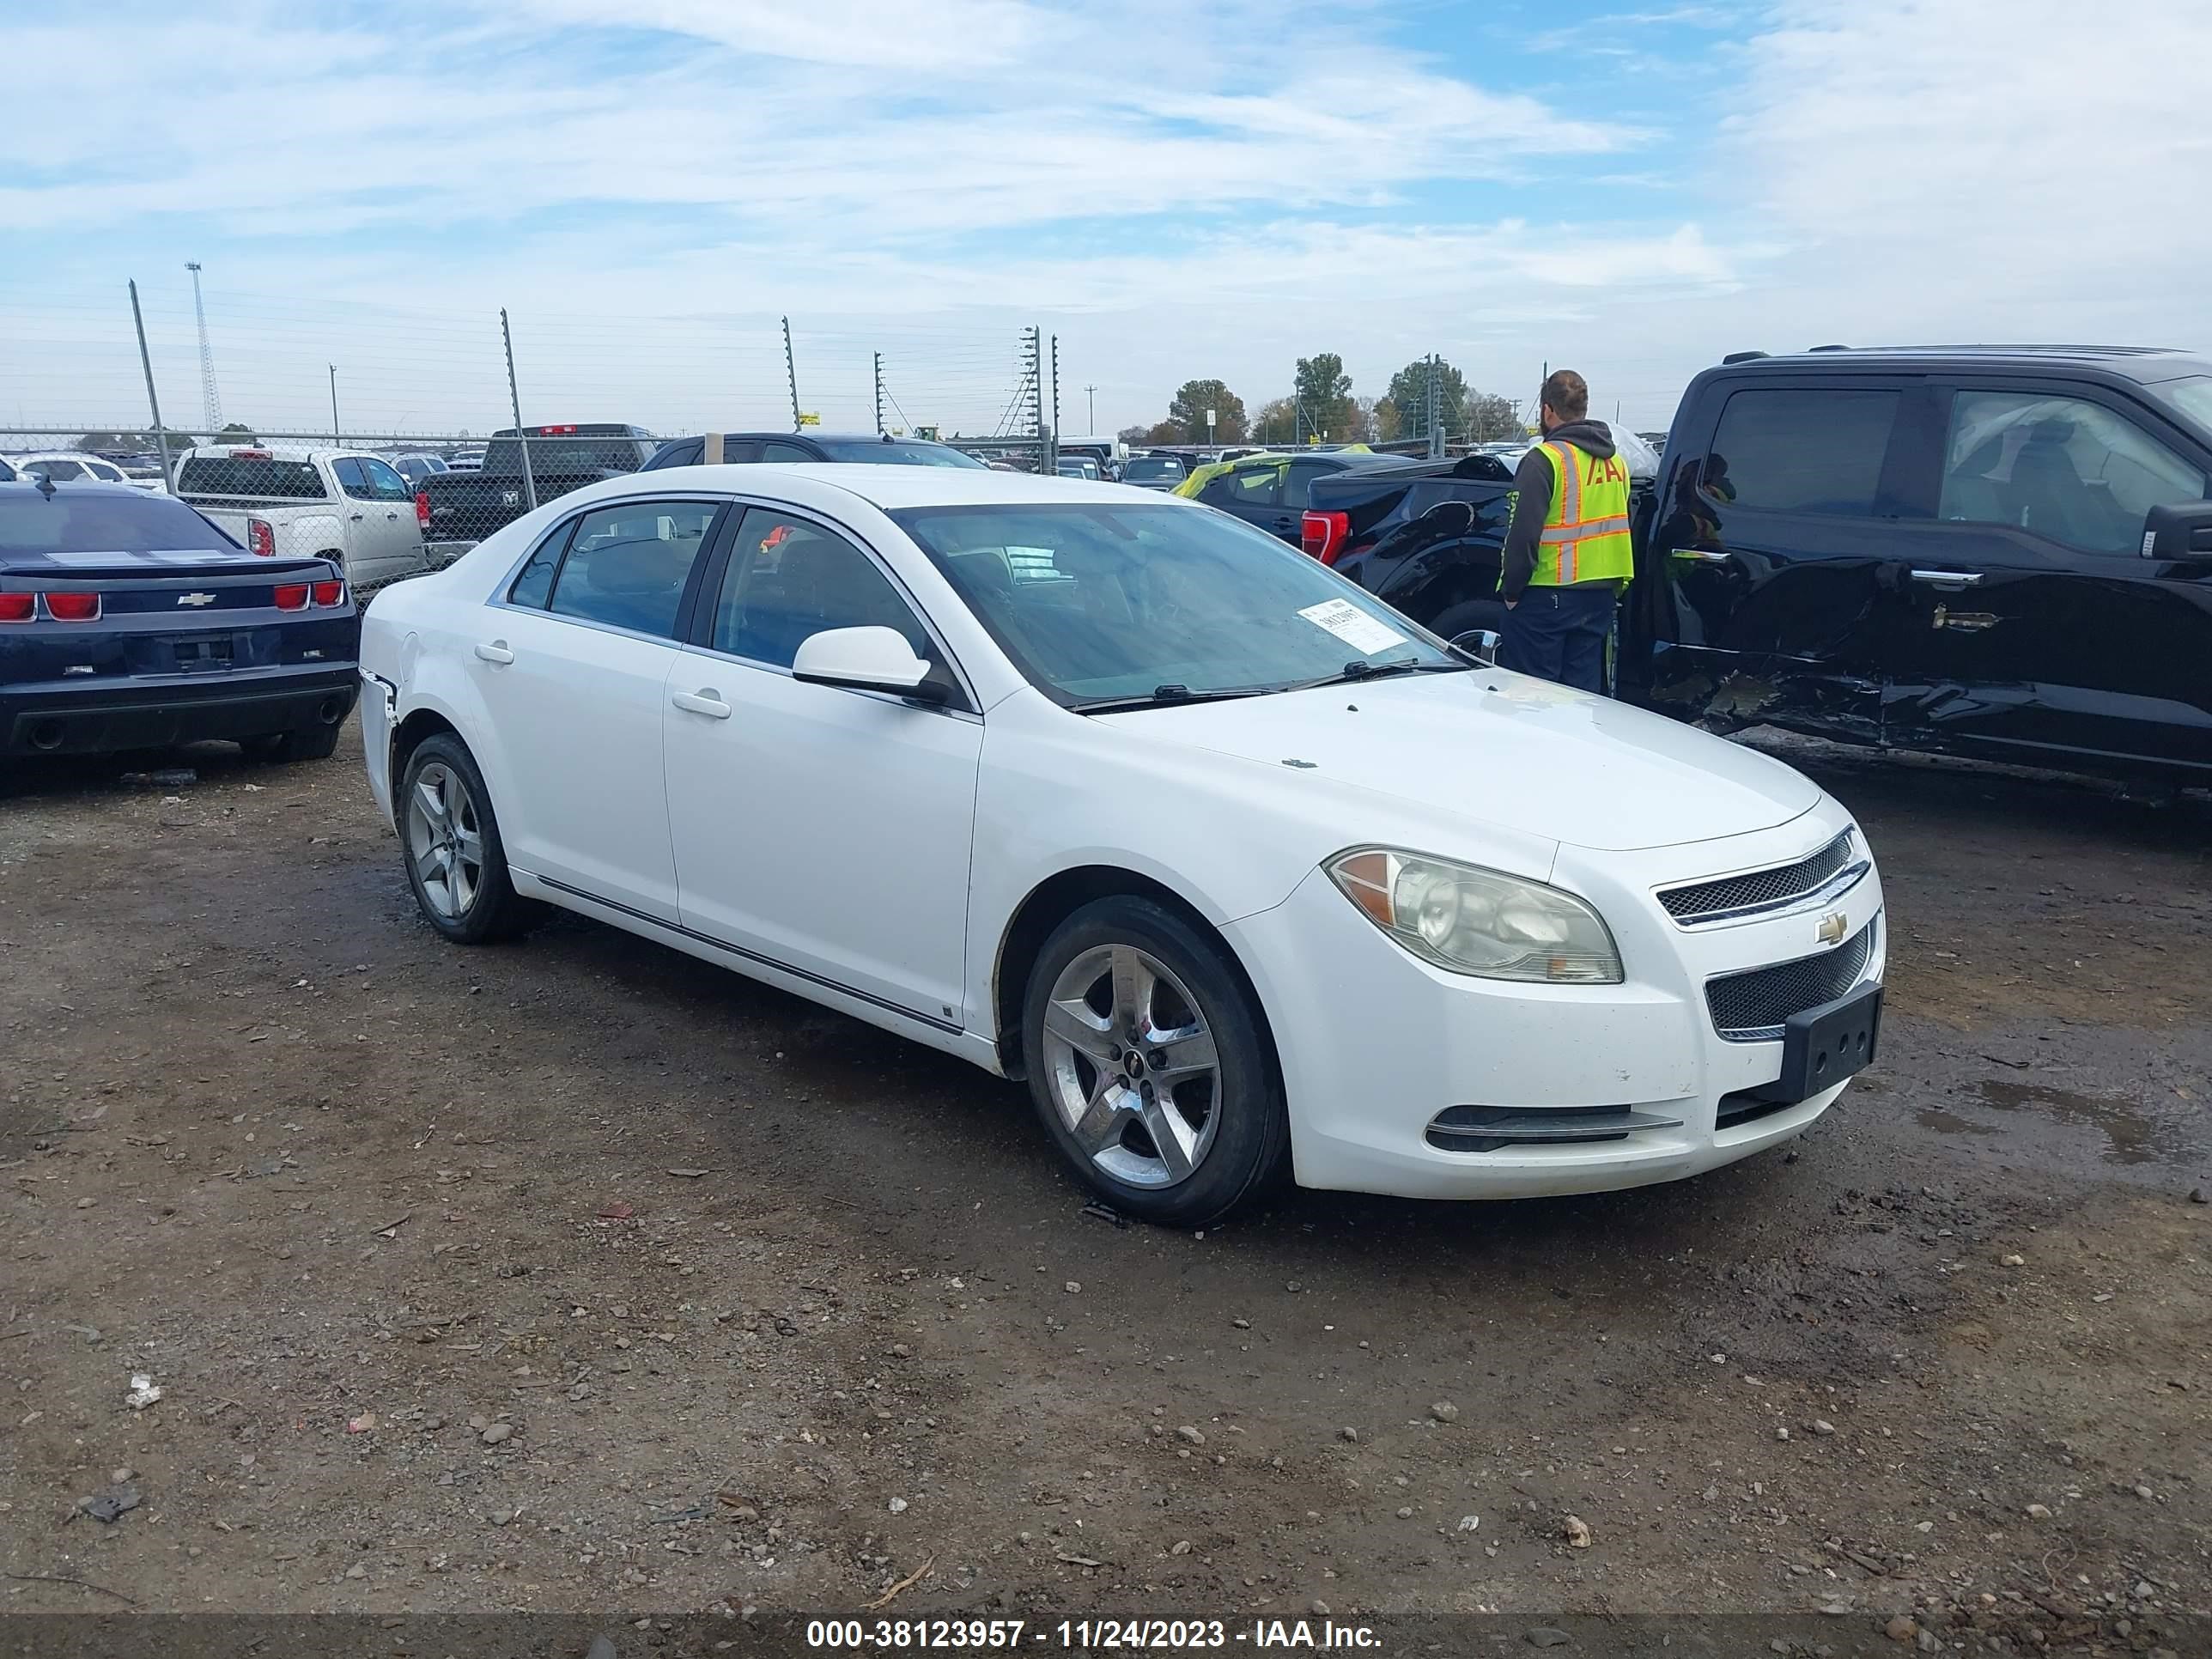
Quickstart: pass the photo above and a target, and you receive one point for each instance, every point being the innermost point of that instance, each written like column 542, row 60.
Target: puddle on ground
column 1950, row 1123
column 2130, row 1135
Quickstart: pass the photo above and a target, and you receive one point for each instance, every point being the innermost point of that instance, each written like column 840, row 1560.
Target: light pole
column 337, row 442
column 1091, row 392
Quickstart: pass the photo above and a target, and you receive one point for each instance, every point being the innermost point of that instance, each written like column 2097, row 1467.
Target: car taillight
column 73, row 607
column 16, row 607
column 261, row 537
column 329, row 594
column 422, row 509
column 1321, row 535
column 291, row 596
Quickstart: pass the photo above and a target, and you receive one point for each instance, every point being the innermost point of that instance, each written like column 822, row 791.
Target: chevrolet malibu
column 1246, row 877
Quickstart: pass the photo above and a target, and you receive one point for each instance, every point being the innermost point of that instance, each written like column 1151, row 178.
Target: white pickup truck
column 343, row 505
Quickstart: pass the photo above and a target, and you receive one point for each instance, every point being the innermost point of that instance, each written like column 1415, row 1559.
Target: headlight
column 1478, row 922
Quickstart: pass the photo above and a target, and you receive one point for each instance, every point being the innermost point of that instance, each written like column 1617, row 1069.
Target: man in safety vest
column 1567, row 556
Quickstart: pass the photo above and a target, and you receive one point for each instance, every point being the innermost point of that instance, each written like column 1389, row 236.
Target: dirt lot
column 577, row 1274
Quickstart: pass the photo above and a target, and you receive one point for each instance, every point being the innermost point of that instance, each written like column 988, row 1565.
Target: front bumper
column 1375, row 1044
column 84, row 717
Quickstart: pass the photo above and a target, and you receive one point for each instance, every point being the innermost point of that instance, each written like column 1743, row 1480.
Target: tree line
column 1321, row 405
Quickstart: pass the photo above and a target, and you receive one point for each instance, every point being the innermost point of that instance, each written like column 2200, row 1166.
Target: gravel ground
column 578, row 1274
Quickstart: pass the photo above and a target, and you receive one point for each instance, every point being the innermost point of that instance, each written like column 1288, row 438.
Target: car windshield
column 1102, row 604
column 1145, row 469
column 32, row 522
column 894, row 454
column 2191, row 395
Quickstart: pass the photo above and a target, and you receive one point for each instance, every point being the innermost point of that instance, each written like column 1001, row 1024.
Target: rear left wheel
column 1148, row 1064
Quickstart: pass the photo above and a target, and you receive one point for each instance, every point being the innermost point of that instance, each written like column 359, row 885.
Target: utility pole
column 791, row 374
column 337, row 442
column 515, row 401
column 153, row 403
column 879, row 394
column 213, row 404
column 1032, row 392
column 1052, row 445
column 1436, row 406
column 1091, row 392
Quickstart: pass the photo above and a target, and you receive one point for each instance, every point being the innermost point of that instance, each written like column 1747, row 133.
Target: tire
column 1468, row 616
column 1224, row 1125
column 319, row 744
column 479, row 909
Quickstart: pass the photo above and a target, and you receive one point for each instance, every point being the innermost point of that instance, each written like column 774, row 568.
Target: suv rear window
column 894, row 454
column 1154, row 467
column 263, row 479
column 1802, row 452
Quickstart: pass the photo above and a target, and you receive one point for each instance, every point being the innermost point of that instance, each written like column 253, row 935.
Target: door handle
column 495, row 652
column 702, row 702
column 1700, row 555
column 393, row 517
column 1948, row 578
column 356, row 518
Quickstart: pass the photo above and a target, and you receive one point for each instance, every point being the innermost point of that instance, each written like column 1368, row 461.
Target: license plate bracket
column 1823, row 1046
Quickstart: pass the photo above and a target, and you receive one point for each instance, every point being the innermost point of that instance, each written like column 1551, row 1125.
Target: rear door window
column 1802, row 451
column 628, row 564
column 2063, row 468
column 353, row 478
column 775, row 452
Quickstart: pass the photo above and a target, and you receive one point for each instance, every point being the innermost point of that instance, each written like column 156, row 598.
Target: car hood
column 1503, row 749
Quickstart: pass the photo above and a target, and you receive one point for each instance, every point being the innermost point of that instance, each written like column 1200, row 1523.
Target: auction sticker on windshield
column 1353, row 626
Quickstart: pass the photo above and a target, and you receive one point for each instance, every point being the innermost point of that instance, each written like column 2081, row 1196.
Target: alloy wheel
column 445, row 840
column 1134, row 1069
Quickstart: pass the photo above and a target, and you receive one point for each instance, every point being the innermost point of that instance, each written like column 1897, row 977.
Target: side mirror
column 865, row 659
column 2179, row 531
column 1449, row 517
column 1481, row 644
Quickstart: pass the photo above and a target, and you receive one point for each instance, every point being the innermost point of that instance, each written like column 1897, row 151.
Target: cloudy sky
column 1174, row 189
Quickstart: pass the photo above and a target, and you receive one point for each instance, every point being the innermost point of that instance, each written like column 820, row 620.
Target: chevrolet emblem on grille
column 1831, row 927
column 195, row 598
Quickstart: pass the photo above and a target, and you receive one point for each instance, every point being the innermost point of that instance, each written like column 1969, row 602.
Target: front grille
column 1760, row 890
column 1753, row 1006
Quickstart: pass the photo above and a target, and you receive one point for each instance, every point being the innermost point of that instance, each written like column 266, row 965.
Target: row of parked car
column 2005, row 553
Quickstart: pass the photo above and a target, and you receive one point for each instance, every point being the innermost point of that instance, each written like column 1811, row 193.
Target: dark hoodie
column 1533, row 479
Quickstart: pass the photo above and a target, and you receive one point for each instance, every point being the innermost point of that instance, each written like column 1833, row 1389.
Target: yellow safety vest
column 1585, row 535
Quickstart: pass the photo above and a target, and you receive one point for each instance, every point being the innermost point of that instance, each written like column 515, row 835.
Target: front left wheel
column 1148, row 1064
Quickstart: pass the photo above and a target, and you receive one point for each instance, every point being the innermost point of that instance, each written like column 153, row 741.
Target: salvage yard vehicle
column 128, row 621
column 870, row 448
column 343, row 505
column 458, row 507
column 1128, row 799
column 1999, row 552
column 63, row 466
column 1271, row 490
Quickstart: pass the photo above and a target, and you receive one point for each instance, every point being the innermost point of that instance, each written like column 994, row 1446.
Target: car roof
column 828, row 438
column 2142, row 363
column 891, row 488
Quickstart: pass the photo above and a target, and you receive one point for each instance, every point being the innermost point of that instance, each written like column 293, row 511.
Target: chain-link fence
column 391, row 423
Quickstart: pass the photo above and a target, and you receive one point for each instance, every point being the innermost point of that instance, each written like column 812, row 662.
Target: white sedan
column 1243, row 873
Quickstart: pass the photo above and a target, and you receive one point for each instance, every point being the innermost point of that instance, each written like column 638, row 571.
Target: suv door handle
column 702, row 702
column 495, row 652
column 356, row 518
column 1948, row 578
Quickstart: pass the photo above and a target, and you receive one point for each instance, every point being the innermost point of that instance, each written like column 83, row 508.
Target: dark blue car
column 127, row 621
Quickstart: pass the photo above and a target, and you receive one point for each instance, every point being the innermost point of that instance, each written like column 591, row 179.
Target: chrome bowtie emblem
column 195, row 598
column 1831, row 928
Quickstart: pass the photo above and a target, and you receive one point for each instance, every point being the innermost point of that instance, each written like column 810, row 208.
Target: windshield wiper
column 1163, row 696
column 1376, row 671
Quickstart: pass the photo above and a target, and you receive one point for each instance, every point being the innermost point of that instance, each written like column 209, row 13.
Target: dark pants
column 1559, row 633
